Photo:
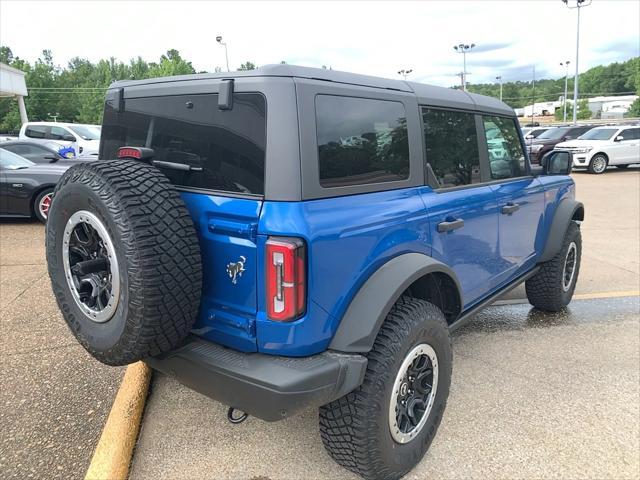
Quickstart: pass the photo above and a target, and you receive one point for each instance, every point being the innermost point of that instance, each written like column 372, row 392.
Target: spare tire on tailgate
column 124, row 260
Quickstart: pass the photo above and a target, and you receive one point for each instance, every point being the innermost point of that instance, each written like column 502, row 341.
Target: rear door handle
column 450, row 226
column 510, row 208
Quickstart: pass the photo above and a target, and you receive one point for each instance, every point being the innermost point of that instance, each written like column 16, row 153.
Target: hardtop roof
column 426, row 94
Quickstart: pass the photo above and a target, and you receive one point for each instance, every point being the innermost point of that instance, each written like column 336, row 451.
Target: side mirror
column 68, row 138
column 619, row 138
column 557, row 163
column 52, row 158
column 528, row 137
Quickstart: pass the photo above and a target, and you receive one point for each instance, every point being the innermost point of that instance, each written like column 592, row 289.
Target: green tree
column 634, row 110
column 247, row 66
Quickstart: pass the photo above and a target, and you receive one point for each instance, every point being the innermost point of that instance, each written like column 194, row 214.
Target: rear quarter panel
column 347, row 238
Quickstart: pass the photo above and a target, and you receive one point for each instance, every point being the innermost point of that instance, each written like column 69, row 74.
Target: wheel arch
column 568, row 210
column 415, row 274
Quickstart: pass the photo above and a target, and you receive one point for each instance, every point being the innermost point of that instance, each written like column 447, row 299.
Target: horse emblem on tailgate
column 235, row 269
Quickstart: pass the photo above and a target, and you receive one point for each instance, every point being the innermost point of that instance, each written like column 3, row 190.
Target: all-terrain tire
column 157, row 255
column 546, row 290
column 355, row 429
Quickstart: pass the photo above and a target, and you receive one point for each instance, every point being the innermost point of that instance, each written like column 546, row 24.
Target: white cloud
column 376, row 38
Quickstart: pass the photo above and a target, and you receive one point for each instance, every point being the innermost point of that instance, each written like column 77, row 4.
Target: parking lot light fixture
column 226, row 53
column 577, row 4
column 499, row 78
column 564, row 99
column 464, row 48
column 404, row 72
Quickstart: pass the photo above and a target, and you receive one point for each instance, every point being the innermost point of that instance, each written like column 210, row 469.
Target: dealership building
column 12, row 84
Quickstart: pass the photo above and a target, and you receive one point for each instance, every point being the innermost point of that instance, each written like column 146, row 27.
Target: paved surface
column 533, row 395
column 54, row 398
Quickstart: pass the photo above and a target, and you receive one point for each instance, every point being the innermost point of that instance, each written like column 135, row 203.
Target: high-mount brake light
column 286, row 278
column 129, row 152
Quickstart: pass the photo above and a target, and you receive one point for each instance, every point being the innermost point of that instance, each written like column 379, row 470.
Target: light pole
column 226, row 54
column 499, row 78
column 578, row 5
column 564, row 99
column 463, row 48
column 404, row 72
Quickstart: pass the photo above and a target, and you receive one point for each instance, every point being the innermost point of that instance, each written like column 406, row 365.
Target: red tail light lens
column 286, row 278
column 129, row 152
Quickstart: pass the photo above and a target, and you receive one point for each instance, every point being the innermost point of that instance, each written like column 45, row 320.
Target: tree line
column 75, row 93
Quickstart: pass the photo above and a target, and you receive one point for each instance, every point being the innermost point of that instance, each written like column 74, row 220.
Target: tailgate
column 227, row 232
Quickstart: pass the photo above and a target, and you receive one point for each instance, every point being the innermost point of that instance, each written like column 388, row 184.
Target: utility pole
column 499, row 78
column 533, row 107
column 564, row 99
column 464, row 49
column 578, row 5
column 226, row 53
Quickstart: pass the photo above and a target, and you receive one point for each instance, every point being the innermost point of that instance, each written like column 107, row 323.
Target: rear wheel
column 598, row 163
column 42, row 203
column 124, row 260
column 384, row 428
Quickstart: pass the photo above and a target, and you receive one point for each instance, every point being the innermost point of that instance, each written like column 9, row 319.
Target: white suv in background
column 603, row 146
column 84, row 139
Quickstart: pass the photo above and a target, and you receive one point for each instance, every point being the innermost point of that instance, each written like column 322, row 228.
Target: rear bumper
column 266, row 386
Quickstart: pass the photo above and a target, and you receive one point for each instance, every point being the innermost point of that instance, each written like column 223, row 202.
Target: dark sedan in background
column 32, row 151
column 26, row 188
column 547, row 140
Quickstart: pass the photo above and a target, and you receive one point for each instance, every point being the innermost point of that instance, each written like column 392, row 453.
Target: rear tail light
column 286, row 278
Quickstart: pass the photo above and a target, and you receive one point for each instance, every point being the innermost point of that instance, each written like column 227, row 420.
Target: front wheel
column 384, row 428
column 598, row 164
column 552, row 288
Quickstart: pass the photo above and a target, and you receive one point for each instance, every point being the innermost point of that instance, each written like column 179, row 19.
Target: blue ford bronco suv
column 291, row 237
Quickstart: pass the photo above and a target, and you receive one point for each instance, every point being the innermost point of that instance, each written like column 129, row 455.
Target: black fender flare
column 371, row 305
column 567, row 211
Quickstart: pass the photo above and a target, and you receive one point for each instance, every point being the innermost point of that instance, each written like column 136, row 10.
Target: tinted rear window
column 36, row 131
column 228, row 145
column 361, row 141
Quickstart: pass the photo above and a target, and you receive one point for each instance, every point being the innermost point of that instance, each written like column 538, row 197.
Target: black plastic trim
column 266, row 386
column 470, row 312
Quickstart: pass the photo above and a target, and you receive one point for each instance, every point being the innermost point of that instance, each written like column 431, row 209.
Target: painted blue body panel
column 348, row 238
column 227, row 230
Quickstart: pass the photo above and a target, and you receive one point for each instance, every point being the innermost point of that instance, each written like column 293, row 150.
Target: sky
column 376, row 38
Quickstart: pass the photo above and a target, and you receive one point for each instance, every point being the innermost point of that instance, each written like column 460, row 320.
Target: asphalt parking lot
column 533, row 395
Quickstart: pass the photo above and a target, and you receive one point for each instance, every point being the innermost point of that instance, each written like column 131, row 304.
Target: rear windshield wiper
column 176, row 166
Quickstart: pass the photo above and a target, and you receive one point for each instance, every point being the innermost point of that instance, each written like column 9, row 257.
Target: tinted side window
column 506, row 158
column 361, row 141
column 36, row 131
column 228, row 147
column 452, row 146
column 58, row 133
column 631, row 134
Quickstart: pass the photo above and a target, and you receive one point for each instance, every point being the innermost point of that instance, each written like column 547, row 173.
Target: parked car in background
column 605, row 146
column 84, row 139
column 533, row 132
column 33, row 151
column 26, row 188
column 546, row 141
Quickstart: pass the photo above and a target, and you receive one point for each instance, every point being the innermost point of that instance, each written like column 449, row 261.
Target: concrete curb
column 112, row 456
